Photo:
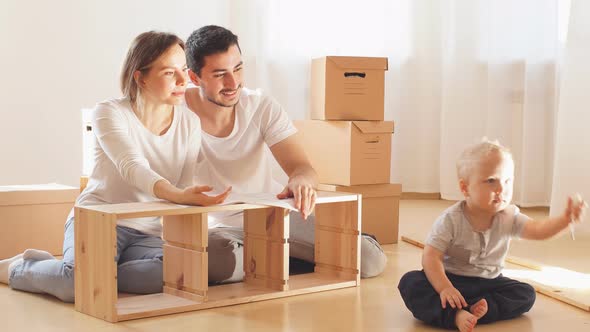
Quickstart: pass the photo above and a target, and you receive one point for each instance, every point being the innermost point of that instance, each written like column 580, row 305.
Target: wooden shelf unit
column 185, row 232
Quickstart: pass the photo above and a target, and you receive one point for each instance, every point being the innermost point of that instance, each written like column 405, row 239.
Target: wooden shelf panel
column 163, row 208
column 153, row 209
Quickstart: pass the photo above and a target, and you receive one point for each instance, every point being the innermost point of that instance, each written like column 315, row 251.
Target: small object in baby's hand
column 576, row 200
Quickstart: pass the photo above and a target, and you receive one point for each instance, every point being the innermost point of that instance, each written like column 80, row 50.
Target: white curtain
column 572, row 162
column 499, row 80
column 458, row 70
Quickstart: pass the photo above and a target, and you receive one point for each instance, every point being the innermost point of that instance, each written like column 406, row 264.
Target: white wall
column 60, row 56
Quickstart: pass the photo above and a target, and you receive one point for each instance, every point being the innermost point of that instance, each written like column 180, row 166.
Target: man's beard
column 238, row 91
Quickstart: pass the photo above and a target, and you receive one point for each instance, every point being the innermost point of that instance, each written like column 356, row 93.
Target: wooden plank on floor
column 554, row 285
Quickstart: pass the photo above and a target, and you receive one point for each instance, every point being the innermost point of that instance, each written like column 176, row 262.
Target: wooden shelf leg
column 337, row 239
column 95, row 270
column 185, row 256
column 266, row 250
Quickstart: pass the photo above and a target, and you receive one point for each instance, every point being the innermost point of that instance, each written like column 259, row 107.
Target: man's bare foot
column 479, row 309
column 465, row 321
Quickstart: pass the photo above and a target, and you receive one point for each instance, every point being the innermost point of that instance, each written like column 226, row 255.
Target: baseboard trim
column 425, row 196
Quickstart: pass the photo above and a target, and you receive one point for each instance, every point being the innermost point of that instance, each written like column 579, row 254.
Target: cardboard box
column 380, row 208
column 348, row 152
column 348, row 88
column 33, row 216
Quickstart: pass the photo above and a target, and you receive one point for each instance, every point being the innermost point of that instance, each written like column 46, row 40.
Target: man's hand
column 301, row 189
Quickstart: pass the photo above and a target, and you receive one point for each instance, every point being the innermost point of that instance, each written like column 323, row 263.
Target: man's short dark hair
column 208, row 40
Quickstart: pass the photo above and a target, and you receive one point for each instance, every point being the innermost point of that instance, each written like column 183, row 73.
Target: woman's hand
column 194, row 195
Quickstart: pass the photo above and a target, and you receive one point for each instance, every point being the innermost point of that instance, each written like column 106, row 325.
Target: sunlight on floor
column 553, row 276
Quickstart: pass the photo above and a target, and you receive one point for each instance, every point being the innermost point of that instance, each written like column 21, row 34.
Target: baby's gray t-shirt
column 471, row 253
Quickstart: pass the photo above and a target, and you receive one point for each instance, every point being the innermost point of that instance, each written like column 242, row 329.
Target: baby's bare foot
column 479, row 309
column 465, row 321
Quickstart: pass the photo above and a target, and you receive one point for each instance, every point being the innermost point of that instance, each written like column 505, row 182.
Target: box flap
column 372, row 127
column 356, row 62
column 367, row 190
column 37, row 194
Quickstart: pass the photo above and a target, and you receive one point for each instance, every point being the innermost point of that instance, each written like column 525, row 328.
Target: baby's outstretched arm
column 435, row 272
column 544, row 229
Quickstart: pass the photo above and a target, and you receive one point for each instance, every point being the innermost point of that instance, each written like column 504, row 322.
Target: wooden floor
column 375, row 306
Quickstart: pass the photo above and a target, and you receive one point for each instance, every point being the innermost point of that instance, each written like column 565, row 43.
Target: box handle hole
column 353, row 74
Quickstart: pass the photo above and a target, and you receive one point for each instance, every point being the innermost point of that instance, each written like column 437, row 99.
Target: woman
column 147, row 149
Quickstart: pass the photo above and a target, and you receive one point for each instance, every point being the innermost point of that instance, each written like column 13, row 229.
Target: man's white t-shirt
column 242, row 159
column 129, row 159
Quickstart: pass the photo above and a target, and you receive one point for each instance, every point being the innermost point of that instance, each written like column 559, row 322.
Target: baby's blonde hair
column 473, row 154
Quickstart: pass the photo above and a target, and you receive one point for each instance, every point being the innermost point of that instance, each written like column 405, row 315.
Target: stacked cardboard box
column 347, row 141
column 33, row 216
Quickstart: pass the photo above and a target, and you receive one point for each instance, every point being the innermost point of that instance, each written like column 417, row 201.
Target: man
column 238, row 125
